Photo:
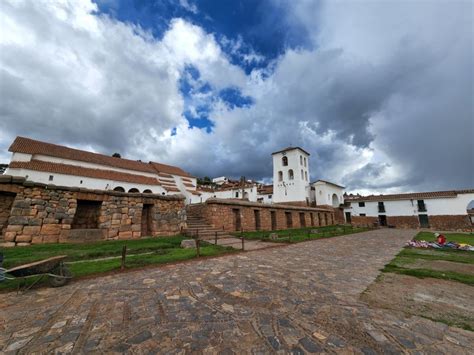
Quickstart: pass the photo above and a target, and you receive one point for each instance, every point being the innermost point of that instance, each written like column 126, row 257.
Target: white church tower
column 291, row 175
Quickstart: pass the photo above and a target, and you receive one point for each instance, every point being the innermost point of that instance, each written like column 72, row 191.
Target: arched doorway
column 335, row 200
column 119, row 189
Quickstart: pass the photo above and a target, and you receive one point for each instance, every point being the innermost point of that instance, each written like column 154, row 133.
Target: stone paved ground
column 300, row 298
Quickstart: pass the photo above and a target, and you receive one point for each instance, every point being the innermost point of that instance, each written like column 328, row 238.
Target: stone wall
column 223, row 214
column 456, row 222
column 444, row 223
column 48, row 214
column 6, row 201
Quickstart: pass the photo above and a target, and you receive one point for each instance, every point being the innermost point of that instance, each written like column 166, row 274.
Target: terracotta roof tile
column 408, row 196
column 31, row 146
column 169, row 169
column 39, row 165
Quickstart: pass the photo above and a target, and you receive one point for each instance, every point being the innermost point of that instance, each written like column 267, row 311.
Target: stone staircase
column 197, row 225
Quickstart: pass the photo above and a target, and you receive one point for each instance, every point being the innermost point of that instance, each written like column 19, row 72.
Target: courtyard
column 300, row 298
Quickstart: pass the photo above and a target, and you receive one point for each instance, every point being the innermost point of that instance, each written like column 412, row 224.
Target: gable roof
column 409, row 196
column 31, row 146
column 75, row 170
column 330, row 183
column 169, row 169
column 290, row 148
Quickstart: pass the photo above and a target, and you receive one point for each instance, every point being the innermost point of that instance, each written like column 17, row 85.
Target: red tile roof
column 31, row 146
column 169, row 169
column 265, row 190
column 408, row 196
column 39, row 165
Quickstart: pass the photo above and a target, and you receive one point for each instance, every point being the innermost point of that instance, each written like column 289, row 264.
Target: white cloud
column 382, row 97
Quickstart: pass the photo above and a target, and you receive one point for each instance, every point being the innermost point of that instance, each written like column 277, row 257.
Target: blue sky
column 259, row 27
column 379, row 92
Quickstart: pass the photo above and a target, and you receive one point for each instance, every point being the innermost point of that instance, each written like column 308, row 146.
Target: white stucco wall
column 434, row 206
column 291, row 190
column 323, row 192
column 87, row 182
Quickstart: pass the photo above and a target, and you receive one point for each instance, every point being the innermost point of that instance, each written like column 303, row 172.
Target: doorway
column 273, row 220
column 237, row 219
column 424, row 221
column 383, row 220
column 302, row 220
column 147, row 220
column 348, row 217
column 256, row 214
column 289, row 220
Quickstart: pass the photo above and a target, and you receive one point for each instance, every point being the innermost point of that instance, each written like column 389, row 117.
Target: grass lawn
column 409, row 256
column 467, row 238
column 301, row 234
column 82, row 258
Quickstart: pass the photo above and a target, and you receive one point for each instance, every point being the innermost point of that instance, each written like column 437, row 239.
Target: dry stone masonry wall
column 32, row 213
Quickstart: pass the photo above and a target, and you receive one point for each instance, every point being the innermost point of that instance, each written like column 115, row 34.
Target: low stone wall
column 445, row 222
column 50, row 214
column 451, row 222
column 225, row 215
column 363, row 221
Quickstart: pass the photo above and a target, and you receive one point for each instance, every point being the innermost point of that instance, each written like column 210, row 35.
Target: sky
column 379, row 92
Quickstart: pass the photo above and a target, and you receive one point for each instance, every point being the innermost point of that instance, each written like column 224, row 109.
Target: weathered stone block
column 21, row 220
column 36, row 239
column 35, row 222
column 9, row 236
column 13, row 228
column 23, row 238
column 188, row 244
column 125, row 235
column 31, row 230
column 50, row 229
column 50, row 238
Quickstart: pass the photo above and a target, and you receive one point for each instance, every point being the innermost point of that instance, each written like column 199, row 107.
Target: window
column 301, row 160
column 361, row 204
column 134, row 190
column 304, row 161
column 306, row 175
column 320, row 192
column 237, row 194
column 269, row 196
column 302, row 174
column 119, row 189
column 421, row 206
column 280, row 176
column 51, row 177
column 284, row 161
column 381, row 207
column 362, row 214
column 80, row 182
column 290, row 174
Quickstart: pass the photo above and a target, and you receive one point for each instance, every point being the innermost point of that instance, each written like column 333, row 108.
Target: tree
column 116, row 155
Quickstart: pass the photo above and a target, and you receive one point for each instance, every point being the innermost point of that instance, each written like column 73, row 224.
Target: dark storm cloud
column 381, row 98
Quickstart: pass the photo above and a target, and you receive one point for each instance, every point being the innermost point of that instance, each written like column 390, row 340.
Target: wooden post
column 289, row 237
column 215, row 239
column 243, row 246
column 124, row 254
column 309, row 234
column 198, row 251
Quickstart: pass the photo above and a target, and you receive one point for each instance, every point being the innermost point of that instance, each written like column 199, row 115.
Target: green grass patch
column 466, row 238
column 457, row 256
column 423, row 273
column 409, row 256
column 301, row 234
column 23, row 255
column 152, row 251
